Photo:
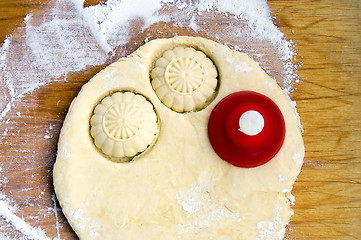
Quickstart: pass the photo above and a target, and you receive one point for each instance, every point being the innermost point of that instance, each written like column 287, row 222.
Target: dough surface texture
column 177, row 187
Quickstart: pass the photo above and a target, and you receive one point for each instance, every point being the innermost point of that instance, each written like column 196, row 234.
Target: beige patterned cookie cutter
column 184, row 79
column 124, row 125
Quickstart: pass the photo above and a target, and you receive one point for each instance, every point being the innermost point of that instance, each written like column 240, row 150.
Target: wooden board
column 327, row 35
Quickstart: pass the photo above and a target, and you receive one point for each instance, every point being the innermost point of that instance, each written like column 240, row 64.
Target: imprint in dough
column 184, row 79
column 123, row 125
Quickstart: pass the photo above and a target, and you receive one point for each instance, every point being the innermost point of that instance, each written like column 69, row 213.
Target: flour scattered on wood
column 68, row 38
column 7, row 211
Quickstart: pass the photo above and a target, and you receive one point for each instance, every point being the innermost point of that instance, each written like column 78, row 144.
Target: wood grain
column 328, row 41
column 327, row 36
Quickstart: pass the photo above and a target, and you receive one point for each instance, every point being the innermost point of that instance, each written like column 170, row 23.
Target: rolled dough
column 178, row 188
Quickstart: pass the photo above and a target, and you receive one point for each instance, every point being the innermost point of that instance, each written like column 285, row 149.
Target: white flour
column 268, row 230
column 202, row 211
column 68, row 38
column 7, row 211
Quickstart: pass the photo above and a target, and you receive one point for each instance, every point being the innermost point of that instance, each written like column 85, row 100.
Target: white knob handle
column 251, row 123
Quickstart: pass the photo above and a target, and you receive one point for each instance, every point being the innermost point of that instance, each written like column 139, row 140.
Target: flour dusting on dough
column 83, row 221
column 298, row 158
column 202, row 210
column 240, row 67
column 269, row 230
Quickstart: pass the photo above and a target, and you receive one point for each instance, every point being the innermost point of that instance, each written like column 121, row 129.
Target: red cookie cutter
column 236, row 147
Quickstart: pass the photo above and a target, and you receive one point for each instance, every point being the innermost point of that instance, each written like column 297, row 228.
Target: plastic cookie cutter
column 246, row 129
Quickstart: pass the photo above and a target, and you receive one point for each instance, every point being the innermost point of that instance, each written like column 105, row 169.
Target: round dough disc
column 178, row 188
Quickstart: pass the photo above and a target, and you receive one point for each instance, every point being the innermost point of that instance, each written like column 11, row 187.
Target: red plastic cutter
column 241, row 148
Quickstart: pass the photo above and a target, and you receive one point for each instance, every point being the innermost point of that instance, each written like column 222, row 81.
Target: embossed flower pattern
column 184, row 79
column 123, row 125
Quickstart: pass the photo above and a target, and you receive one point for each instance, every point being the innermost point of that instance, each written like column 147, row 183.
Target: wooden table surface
column 327, row 35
